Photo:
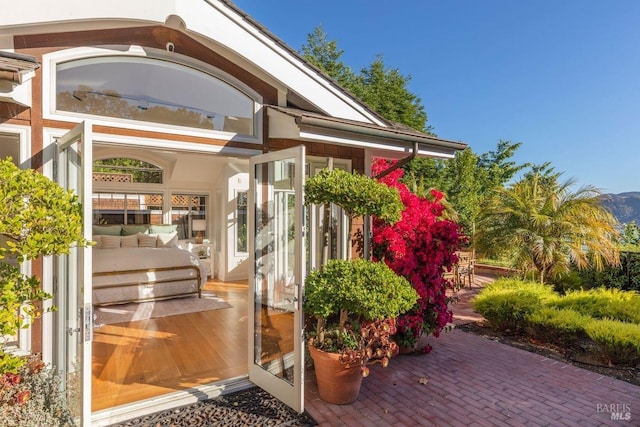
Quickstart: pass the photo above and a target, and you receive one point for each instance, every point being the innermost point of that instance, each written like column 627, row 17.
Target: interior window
column 126, row 170
column 189, row 211
column 241, row 222
column 127, row 208
column 152, row 90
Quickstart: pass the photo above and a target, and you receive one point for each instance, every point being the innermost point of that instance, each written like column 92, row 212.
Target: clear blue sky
column 560, row 76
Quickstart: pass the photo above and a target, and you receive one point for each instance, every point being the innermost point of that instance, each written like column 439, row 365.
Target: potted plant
column 354, row 302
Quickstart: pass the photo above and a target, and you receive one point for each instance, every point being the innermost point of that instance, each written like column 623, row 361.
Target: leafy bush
column 603, row 303
column 37, row 218
column 618, row 342
column 33, row 397
column 570, row 281
column 506, row 303
column 608, row 319
column 563, row 327
column 625, row 277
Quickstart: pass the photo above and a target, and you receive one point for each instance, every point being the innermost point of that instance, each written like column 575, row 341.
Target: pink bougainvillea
column 421, row 247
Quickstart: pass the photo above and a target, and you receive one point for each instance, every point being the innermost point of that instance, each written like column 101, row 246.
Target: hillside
column 624, row 206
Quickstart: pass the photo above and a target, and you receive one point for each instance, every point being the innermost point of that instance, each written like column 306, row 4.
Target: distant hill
column 624, row 206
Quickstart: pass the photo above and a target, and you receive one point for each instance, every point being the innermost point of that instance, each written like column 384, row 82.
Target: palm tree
column 541, row 224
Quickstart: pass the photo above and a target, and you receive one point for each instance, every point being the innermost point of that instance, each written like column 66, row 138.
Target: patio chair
column 465, row 268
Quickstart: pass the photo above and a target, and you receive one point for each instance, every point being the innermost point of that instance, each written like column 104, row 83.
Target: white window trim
column 24, row 133
column 49, row 62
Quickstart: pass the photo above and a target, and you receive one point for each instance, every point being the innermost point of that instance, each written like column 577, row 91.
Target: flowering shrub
column 33, row 397
column 420, row 247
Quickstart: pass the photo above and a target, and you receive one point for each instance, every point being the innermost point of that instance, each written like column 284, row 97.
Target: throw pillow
column 147, row 240
column 110, row 242
column 107, row 230
column 167, row 240
column 129, row 241
column 131, row 229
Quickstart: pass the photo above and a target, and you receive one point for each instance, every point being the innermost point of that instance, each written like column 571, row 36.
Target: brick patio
column 469, row 380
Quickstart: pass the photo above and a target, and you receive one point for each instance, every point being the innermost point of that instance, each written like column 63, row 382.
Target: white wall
column 233, row 265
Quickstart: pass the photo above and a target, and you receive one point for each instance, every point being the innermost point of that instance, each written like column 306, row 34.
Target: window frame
column 237, row 251
column 49, row 68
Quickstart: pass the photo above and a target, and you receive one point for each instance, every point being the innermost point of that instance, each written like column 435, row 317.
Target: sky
column 560, row 76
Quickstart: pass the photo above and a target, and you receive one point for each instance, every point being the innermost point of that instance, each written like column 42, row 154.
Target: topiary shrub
column 357, row 194
column 355, row 303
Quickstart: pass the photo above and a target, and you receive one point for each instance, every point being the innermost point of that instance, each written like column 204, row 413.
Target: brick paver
column 475, row 381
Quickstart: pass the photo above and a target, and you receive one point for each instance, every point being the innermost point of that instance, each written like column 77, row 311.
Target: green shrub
column 618, row 342
column 570, row 281
column 563, row 327
column 603, row 303
column 506, row 303
column 625, row 277
column 37, row 218
column 357, row 194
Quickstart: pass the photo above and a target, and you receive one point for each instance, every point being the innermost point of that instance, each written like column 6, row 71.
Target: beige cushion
column 110, row 242
column 167, row 240
column 147, row 240
column 129, row 241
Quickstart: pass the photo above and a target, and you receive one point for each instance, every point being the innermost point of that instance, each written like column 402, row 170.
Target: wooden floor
column 139, row 360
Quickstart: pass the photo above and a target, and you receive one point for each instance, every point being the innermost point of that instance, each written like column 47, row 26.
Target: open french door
column 277, row 271
column 72, row 288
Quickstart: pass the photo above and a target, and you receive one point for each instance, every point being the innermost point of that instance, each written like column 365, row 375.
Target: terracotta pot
column 338, row 383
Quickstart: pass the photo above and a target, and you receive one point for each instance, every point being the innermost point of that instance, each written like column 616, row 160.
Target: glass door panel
column 276, row 242
column 74, row 326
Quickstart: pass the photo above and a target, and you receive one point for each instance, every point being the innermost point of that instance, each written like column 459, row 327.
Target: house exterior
column 222, row 116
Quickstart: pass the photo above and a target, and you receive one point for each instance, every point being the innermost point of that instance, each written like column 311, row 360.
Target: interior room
column 149, row 343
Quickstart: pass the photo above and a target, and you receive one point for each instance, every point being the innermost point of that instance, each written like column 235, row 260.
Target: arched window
column 152, row 90
column 120, row 169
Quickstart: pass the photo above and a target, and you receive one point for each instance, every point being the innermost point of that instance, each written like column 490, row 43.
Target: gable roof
column 334, row 113
column 217, row 23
